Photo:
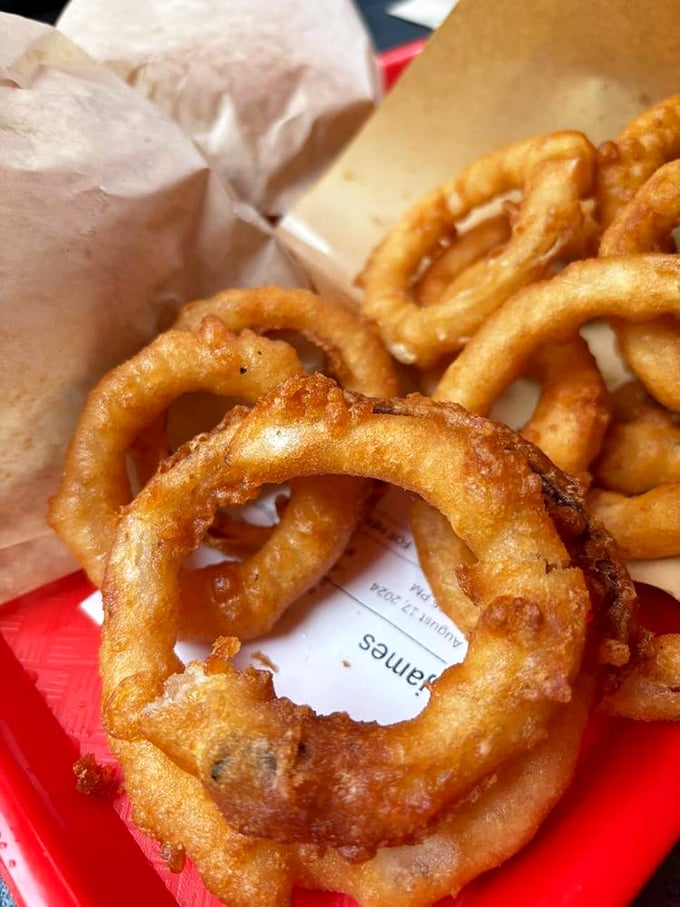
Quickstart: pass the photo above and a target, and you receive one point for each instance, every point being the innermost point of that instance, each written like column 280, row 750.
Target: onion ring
column 313, row 530
column 648, row 141
column 651, row 349
column 636, row 288
column 554, row 171
column 651, row 691
column 486, row 829
column 311, row 534
column 642, row 446
column 357, row 358
column 321, row 427
column 95, row 484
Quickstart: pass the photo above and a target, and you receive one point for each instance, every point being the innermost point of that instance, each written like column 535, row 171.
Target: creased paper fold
column 111, row 220
column 270, row 92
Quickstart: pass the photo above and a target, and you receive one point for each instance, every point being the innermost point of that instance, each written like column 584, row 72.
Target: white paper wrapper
column 111, row 219
column 270, row 92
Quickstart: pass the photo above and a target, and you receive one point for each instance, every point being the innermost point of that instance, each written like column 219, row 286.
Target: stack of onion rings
column 636, row 288
column 537, row 627
column 646, row 525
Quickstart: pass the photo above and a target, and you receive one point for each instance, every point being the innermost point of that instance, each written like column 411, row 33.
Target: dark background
column 663, row 890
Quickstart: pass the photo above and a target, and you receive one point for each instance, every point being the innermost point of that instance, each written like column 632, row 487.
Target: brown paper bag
column 111, row 220
column 270, row 92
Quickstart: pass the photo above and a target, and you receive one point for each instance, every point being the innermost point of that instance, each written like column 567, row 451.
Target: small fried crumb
column 93, row 778
column 173, row 855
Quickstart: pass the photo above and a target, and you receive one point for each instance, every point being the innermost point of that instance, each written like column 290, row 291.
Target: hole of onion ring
column 198, row 412
column 490, row 209
column 194, row 413
column 659, row 610
column 515, row 406
column 675, row 236
column 262, row 511
column 369, row 638
column 475, row 217
column 311, row 356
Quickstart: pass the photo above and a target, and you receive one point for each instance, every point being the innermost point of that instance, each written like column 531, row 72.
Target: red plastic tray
column 63, row 849
column 394, row 61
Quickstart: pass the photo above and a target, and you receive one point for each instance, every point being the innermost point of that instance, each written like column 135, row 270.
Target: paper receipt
column 368, row 640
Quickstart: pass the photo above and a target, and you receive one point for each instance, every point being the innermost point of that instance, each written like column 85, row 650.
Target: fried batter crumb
column 173, row 855
column 94, row 778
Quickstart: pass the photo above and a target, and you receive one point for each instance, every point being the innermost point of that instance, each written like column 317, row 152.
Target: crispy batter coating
column 94, row 778
column 648, row 141
column 481, row 832
column 651, row 691
column 357, row 358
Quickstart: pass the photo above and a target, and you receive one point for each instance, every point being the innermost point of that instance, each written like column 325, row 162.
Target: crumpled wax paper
column 270, row 92
column 111, row 220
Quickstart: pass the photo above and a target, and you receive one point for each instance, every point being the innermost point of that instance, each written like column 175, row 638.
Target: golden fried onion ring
column 95, row 484
column 645, row 224
column 356, row 357
column 276, row 768
column 554, row 172
column 648, row 141
column 484, row 830
column 313, row 529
